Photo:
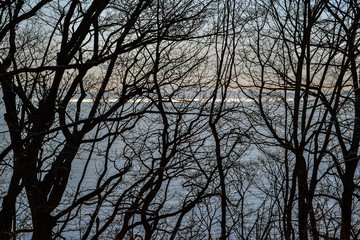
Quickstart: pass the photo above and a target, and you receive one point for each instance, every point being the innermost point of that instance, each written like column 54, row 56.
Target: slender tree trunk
column 346, row 197
column 346, row 206
column 7, row 212
column 302, row 204
column 219, row 162
column 289, row 203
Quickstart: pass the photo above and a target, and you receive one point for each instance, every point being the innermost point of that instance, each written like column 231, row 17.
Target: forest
column 179, row 119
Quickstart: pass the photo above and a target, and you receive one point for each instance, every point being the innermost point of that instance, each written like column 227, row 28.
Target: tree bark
column 346, row 197
column 302, row 204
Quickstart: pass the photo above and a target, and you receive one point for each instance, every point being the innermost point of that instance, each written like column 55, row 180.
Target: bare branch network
column 179, row 119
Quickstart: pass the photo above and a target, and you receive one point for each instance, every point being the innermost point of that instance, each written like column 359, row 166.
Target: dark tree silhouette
column 105, row 54
column 304, row 67
column 179, row 119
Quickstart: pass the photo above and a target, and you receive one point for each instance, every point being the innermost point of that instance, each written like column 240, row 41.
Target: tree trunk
column 346, row 205
column 346, row 197
column 7, row 212
column 43, row 224
column 302, row 204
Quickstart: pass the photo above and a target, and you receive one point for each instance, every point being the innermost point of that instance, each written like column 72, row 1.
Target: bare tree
column 300, row 64
column 347, row 96
column 94, row 51
column 118, row 121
